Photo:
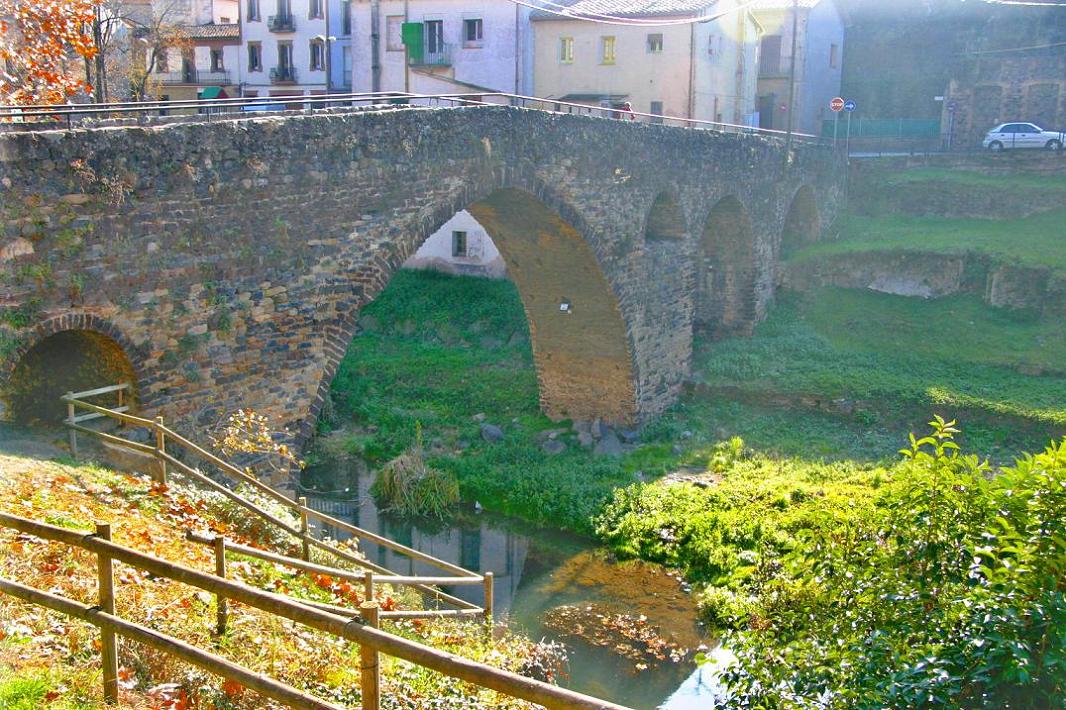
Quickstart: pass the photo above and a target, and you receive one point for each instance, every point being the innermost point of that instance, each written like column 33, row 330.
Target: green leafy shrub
column 407, row 486
column 950, row 593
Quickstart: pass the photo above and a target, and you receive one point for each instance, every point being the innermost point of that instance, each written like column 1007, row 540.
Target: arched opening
column 665, row 220
column 67, row 361
column 725, row 299
column 802, row 223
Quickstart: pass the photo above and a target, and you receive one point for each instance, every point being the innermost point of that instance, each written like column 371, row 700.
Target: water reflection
column 537, row 571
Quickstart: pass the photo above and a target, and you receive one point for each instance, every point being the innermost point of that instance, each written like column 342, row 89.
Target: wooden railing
column 363, row 630
column 163, row 451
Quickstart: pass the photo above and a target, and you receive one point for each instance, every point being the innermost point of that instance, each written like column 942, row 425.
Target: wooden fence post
column 488, row 598
column 160, row 448
column 368, row 586
column 108, row 640
column 221, row 603
column 70, row 420
column 303, row 529
column 370, row 672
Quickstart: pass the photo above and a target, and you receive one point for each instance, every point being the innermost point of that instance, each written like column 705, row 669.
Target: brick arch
column 726, row 271
column 803, row 223
column 110, row 336
column 583, row 357
column 665, row 222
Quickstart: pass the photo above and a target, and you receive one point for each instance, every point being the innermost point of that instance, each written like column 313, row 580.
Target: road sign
column 850, row 105
column 836, row 105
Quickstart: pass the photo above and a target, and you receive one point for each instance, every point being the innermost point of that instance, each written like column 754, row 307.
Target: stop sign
column 836, row 105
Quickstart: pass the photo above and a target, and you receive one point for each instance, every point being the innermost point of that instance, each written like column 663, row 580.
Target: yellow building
column 701, row 62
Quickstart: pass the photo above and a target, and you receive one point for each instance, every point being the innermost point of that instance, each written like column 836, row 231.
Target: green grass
column 968, row 178
column 898, row 354
column 1031, row 241
column 440, row 349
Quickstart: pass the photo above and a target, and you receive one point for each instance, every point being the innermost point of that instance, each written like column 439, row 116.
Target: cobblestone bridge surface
column 228, row 260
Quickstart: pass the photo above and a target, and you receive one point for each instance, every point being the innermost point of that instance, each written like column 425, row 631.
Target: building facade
column 700, row 69
column 819, row 61
column 285, row 47
column 340, row 21
column 452, row 47
column 461, row 246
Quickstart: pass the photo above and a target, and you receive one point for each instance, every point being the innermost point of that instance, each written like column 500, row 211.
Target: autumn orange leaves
column 43, row 47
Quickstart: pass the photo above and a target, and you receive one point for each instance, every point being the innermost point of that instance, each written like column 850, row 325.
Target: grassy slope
column 1032, row 241
column 47, row 660
column 432, row 361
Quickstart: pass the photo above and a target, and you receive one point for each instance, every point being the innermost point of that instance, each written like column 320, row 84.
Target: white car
column 1022, row 135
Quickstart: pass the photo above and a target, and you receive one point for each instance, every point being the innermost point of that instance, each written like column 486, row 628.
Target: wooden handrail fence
column 363, row 630
column 166, row 462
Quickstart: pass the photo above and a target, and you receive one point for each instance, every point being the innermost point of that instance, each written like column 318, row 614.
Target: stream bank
column 630, row 628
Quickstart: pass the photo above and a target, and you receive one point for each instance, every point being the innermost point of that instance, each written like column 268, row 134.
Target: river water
column 643, row 623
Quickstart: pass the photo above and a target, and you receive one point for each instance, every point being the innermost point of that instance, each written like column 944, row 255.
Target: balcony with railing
column 438, row 56
column 283, row 75
column 194, row 76
column 282, row 23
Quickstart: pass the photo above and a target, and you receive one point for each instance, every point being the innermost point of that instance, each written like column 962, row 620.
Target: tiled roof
column 194, row 32
column 627, row 8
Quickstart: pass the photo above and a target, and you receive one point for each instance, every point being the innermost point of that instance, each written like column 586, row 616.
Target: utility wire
column 1019, row 49
column 1026, row 3
column 566, row 12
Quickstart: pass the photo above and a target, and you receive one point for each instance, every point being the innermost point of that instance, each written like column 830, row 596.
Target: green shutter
column 412, row 35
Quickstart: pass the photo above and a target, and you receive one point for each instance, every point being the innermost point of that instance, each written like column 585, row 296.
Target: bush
column 407, row 486
column 951, row 593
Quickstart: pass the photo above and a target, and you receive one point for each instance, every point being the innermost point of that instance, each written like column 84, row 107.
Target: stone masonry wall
column 231, row 258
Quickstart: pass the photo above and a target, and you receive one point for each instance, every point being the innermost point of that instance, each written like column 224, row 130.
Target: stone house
column 697, row 69
column 819, row 62
column 994, row 86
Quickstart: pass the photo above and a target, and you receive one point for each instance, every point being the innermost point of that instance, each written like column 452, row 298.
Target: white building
column 284, row 43
column 340, row 20
column 703, row 69
column 819, row 61
column 205, row 64
column 455, row 47
column 461, row 246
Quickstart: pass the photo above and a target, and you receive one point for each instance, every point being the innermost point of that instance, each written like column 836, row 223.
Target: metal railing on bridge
column 45, row 117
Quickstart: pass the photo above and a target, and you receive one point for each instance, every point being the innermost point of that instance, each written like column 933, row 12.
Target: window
column 285, row 57
column 314, row 9
column 714, row 47
column 162, row 61
column 216, row 60
column 253, row 10
column 770, row 55
column 607, row 50
column 317, row 55
column 655, row 43
column 434, row 36
column 346, row 62
column 566, row 50
column 472, row 32
column 657, row 109
column 255, row 56
column 833, row 58
column 459, row 244
column 393, row 33
column 346, row 17
column 224, row 21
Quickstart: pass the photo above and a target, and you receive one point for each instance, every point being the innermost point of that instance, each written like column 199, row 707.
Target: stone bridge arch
column 726, row 271
column 71, row 352
column 581, row 347
column 803, row 223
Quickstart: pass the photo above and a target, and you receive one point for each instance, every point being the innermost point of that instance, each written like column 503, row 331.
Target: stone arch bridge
column 229, row 259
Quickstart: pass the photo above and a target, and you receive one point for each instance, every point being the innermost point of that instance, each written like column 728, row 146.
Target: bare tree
column 135, row 39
